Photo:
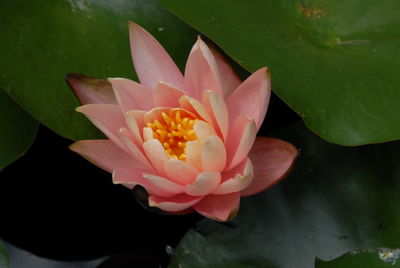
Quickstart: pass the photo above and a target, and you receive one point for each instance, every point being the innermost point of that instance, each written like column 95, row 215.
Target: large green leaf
column 17, row 130
column 4, row 258
column 364, row 258
column 335, row 63
column 336, row 199
column 42, row 41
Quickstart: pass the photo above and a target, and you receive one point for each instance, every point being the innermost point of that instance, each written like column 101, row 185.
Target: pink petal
column 156, row 154
column 204, row 184
column 215, row 104
column 196, row 107
column 135, row 121
column 236, row 179
column 136, row 151
column 152, row 62
column 147, row 134
column 219, row 207
column 131, row 178
column 203, row 130
column 201, row 72
column 166, row 95
column 131, row 95
column 213, row 154
column 91, row 90
column 240, row 140
column 251, row 98
column 272, row 158
column 193, row 153
column 163, row 186
column 155, row 114
column 229, row 79
column 105, row 154
column 106, row 117
column 179, row 171
column 174, row 203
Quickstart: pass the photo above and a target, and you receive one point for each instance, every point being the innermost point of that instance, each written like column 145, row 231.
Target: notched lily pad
column 334, row 62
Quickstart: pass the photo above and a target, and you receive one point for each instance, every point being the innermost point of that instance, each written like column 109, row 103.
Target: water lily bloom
column 189, row 140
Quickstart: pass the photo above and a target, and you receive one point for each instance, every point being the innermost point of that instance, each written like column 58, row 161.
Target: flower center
column 173, row 131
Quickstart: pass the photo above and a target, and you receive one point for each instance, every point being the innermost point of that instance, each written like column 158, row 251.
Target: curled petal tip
column 131, row 24
column 110, row 79
column 152, row 203
column 69, row 76
column 72, row 146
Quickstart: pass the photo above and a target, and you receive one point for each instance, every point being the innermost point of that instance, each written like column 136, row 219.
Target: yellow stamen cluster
column 173, row 131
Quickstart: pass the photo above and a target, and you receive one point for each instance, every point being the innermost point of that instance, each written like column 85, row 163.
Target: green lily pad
column 44, row 40
column 364, row 258
column 17, row 131
column 336, row 199
column 4, row 258
column 335, row 63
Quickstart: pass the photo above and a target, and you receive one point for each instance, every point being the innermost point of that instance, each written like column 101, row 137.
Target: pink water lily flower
column 189, row 140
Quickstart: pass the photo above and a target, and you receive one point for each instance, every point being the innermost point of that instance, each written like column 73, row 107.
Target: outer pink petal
column 251, row 98
column 240, row 140
column 166, row 95
column 131, row 178
column 91, row 90
column 236, row 179
column 201, row 72
column 163, row 186
column 106, row 117
column 156, row 154
column 180, row 171
column 229, row 79
column 215, row 104
column 204, row 184
column 213, row 154
column 219, row 207
column 128, row 177
column 174, row 203
column 136, row 151
column 152, row 62
column 131, row 95
column 272, row 159
column 105, row 154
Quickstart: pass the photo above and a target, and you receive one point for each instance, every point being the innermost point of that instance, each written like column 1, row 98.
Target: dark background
column 57, row 205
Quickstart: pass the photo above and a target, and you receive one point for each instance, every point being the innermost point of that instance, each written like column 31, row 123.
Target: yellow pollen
column 173, row 131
